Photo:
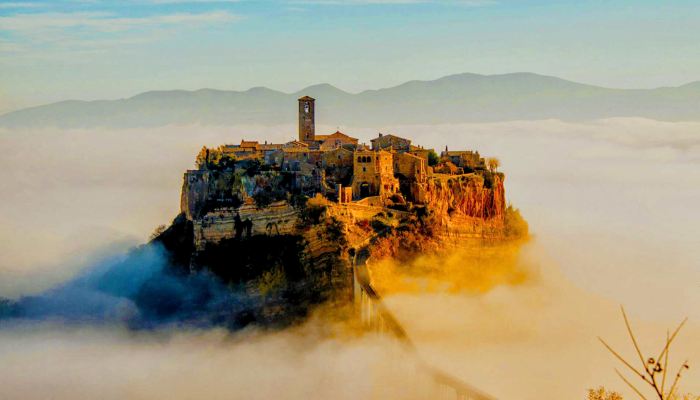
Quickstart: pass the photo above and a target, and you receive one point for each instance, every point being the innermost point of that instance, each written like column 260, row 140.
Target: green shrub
column 433, row 158
column 515, row 224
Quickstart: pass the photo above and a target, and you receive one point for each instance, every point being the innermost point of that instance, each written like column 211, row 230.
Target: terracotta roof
column 296, row 143
column 336, row 135
column 409, row 155
column 339, row 134
column 308, row 98
column 248, row 143
column 388, row 135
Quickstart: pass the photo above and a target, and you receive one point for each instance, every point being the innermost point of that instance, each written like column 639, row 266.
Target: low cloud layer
column 111, row 363
column 138, row 289
column 536, row 339
column 611, row 205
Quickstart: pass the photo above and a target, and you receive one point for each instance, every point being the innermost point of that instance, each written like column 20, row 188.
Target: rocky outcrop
column 194, row 194
column 296, row 251
column 219, row 224
column 466, row 195
column 207, row 190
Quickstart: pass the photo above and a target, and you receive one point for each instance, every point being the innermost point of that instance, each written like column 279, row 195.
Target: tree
column 493, row 163
column 433, row 158
column 602, row 394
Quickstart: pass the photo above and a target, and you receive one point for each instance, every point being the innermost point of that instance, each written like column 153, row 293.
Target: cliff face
column 468, row 205
column 255, row 230
column 194, row 194
column 209, row 190
column 468, row 196
column 216, row 225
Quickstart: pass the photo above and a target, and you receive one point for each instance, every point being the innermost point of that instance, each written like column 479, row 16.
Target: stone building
column 307, row 124
column 464, row 159
column 274, row 158
column 293, row 157
column 337, row 158
column 409, row 166
column 420, row 152
column 335, row 140
column 373, row 174
column 245, row 150
column 391, row 142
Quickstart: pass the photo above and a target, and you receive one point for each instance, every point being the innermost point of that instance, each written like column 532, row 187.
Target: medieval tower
column 307, row 131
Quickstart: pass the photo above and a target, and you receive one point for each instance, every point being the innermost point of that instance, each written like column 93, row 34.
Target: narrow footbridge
column 375, row 316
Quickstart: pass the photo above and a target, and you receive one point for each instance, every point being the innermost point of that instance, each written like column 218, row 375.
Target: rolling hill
column 451, row 99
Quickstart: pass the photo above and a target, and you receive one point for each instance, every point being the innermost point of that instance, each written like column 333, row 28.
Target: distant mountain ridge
column 452, row 99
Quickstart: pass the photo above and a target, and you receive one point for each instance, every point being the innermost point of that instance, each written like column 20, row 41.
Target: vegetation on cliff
column 415, row 253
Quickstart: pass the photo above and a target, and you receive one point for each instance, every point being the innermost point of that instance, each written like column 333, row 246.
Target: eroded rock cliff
column 469, row 195
column 258, row 232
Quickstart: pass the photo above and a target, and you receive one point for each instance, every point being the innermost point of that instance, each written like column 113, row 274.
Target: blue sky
column 54, row 50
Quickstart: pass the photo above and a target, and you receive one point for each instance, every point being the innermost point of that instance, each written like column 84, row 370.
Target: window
column 364, row 169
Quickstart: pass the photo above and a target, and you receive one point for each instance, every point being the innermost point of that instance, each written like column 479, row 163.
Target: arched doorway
column 364, row 190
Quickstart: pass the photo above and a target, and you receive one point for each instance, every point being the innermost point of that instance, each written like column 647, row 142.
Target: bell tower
column 307, row 130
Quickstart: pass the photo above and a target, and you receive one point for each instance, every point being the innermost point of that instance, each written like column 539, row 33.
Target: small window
column 364, row 169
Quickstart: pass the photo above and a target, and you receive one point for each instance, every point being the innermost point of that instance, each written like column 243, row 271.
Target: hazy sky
column 53, row 50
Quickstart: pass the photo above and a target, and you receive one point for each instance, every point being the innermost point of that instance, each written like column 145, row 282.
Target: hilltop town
column 286, row 221
column 391, row 172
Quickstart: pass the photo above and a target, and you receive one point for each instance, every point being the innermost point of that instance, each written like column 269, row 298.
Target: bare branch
column 678, row 377
column 630, row 384
column 619, row 357
column 634, row 341
column 665, row 355
column 668, row 342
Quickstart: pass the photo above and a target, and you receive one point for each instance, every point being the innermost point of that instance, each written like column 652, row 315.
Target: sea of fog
column 612, row 206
